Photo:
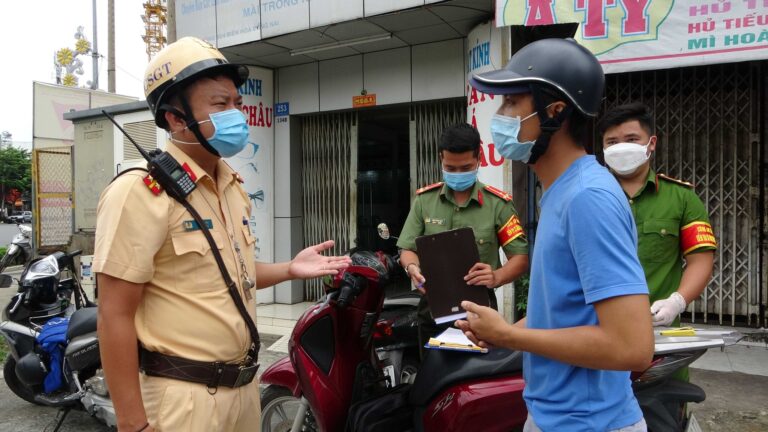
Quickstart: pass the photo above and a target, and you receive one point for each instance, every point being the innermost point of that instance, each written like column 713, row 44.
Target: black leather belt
column 213, row 374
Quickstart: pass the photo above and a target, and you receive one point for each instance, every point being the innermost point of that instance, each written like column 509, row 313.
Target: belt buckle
column 246, row 374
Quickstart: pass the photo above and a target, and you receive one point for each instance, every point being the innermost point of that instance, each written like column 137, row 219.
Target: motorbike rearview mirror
column 384, row 233
column 5, row 280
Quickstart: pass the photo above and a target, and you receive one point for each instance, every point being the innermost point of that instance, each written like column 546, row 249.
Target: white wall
column 299, row 85
column 438, row 70
column 388, row 75
column 340, row 79
column 418, row 73
column 233, row 22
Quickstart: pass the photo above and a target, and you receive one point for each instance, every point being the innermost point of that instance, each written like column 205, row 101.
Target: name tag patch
column 192, row 225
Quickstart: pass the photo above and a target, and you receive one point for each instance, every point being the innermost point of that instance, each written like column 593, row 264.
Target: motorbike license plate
column 389, row 372
column 693, row 425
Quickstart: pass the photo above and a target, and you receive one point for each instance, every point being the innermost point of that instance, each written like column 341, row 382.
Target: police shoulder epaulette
column 674, row 180
column 429, row 188
column 499, row 193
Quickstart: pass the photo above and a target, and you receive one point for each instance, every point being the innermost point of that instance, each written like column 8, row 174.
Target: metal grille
column 329, row 158
column 430, row 120
column 708, row 127
column 145, row 134
column 52, row 173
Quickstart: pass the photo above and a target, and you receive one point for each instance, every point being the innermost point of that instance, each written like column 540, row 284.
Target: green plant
column 2, row 250
column 3, row 351
column 521, row 293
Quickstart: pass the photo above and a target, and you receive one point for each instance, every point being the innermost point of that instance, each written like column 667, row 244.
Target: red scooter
column 332, row 369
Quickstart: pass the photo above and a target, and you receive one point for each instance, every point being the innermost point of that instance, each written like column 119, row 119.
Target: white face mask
column 626, row 158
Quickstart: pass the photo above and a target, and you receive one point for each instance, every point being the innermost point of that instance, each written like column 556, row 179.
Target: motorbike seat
column 81, row 322
column 442, row 368
column 408, row 299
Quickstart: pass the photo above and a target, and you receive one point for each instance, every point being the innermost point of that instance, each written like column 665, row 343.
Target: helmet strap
column 191, row 124
column 548, row 125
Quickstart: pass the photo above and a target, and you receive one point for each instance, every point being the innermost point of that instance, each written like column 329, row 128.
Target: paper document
column 454, row 339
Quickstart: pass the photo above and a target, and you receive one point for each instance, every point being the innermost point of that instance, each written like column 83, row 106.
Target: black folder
column 445, row 258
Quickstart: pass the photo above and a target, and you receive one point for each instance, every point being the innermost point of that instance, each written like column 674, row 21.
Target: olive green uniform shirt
column 489, row 212
column 434, row 210
column 672, row 222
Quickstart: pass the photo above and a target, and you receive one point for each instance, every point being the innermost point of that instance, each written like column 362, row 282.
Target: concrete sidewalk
column 748, row 356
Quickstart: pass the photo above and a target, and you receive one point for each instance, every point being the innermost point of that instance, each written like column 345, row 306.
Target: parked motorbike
column 396, row 335
column 662, row 398
column 43, row 295
column 20, row 248
column 332, row 373
column 332, row 366
column 396, row 338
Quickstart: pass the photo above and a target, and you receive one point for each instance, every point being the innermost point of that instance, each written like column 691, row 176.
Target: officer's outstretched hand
column 310, row 262
column 484, row 326
column 482, row 274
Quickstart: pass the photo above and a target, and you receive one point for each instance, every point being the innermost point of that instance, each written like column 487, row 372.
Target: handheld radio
column 163, row 168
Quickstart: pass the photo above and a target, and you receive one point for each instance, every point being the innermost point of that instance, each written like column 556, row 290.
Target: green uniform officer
column 462, row 201
column 672, row 223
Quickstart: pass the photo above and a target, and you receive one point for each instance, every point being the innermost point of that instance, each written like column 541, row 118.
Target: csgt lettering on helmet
column 157, row 74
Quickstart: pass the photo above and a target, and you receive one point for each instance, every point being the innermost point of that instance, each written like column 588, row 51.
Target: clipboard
column 454, row 340
column 445, row 258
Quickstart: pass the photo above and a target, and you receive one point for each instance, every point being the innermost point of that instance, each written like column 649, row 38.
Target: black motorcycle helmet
column 41, row 279
column 31, row 370
column 549, row 68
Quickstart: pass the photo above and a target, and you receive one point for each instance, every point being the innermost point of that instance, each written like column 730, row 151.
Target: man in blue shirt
column 588, row 323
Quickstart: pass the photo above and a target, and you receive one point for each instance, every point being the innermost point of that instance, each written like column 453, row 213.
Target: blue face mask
column 504, row 131
column 460, row 181
column 231, row 135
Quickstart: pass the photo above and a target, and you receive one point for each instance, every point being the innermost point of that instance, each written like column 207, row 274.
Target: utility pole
column 171, row 14
column 111, row 46
column 95, row 52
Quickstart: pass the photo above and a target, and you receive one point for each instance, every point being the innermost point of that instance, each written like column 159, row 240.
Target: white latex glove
column 665, row 311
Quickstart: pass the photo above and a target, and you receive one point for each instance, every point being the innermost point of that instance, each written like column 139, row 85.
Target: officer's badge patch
column 189, row 171
column 153, row 185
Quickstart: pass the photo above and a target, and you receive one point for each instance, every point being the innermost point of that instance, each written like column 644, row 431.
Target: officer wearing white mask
column 672, row 223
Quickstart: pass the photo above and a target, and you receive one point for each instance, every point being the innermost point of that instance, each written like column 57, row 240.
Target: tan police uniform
column 145, row 236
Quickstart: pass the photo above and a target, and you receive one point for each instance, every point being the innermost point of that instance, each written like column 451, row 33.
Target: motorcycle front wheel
column 5, row 260
column 279, row 409
column 17, row 387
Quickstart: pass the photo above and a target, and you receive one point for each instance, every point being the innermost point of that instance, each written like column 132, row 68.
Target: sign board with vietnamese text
column 483, row 55
column 255, row 163
column 631, row 35
column 368, row 100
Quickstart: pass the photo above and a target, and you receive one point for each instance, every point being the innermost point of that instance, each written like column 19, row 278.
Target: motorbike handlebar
column 349, row 289
column 345, row 296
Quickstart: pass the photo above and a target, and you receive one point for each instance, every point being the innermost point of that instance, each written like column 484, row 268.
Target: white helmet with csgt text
column 178, row 65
